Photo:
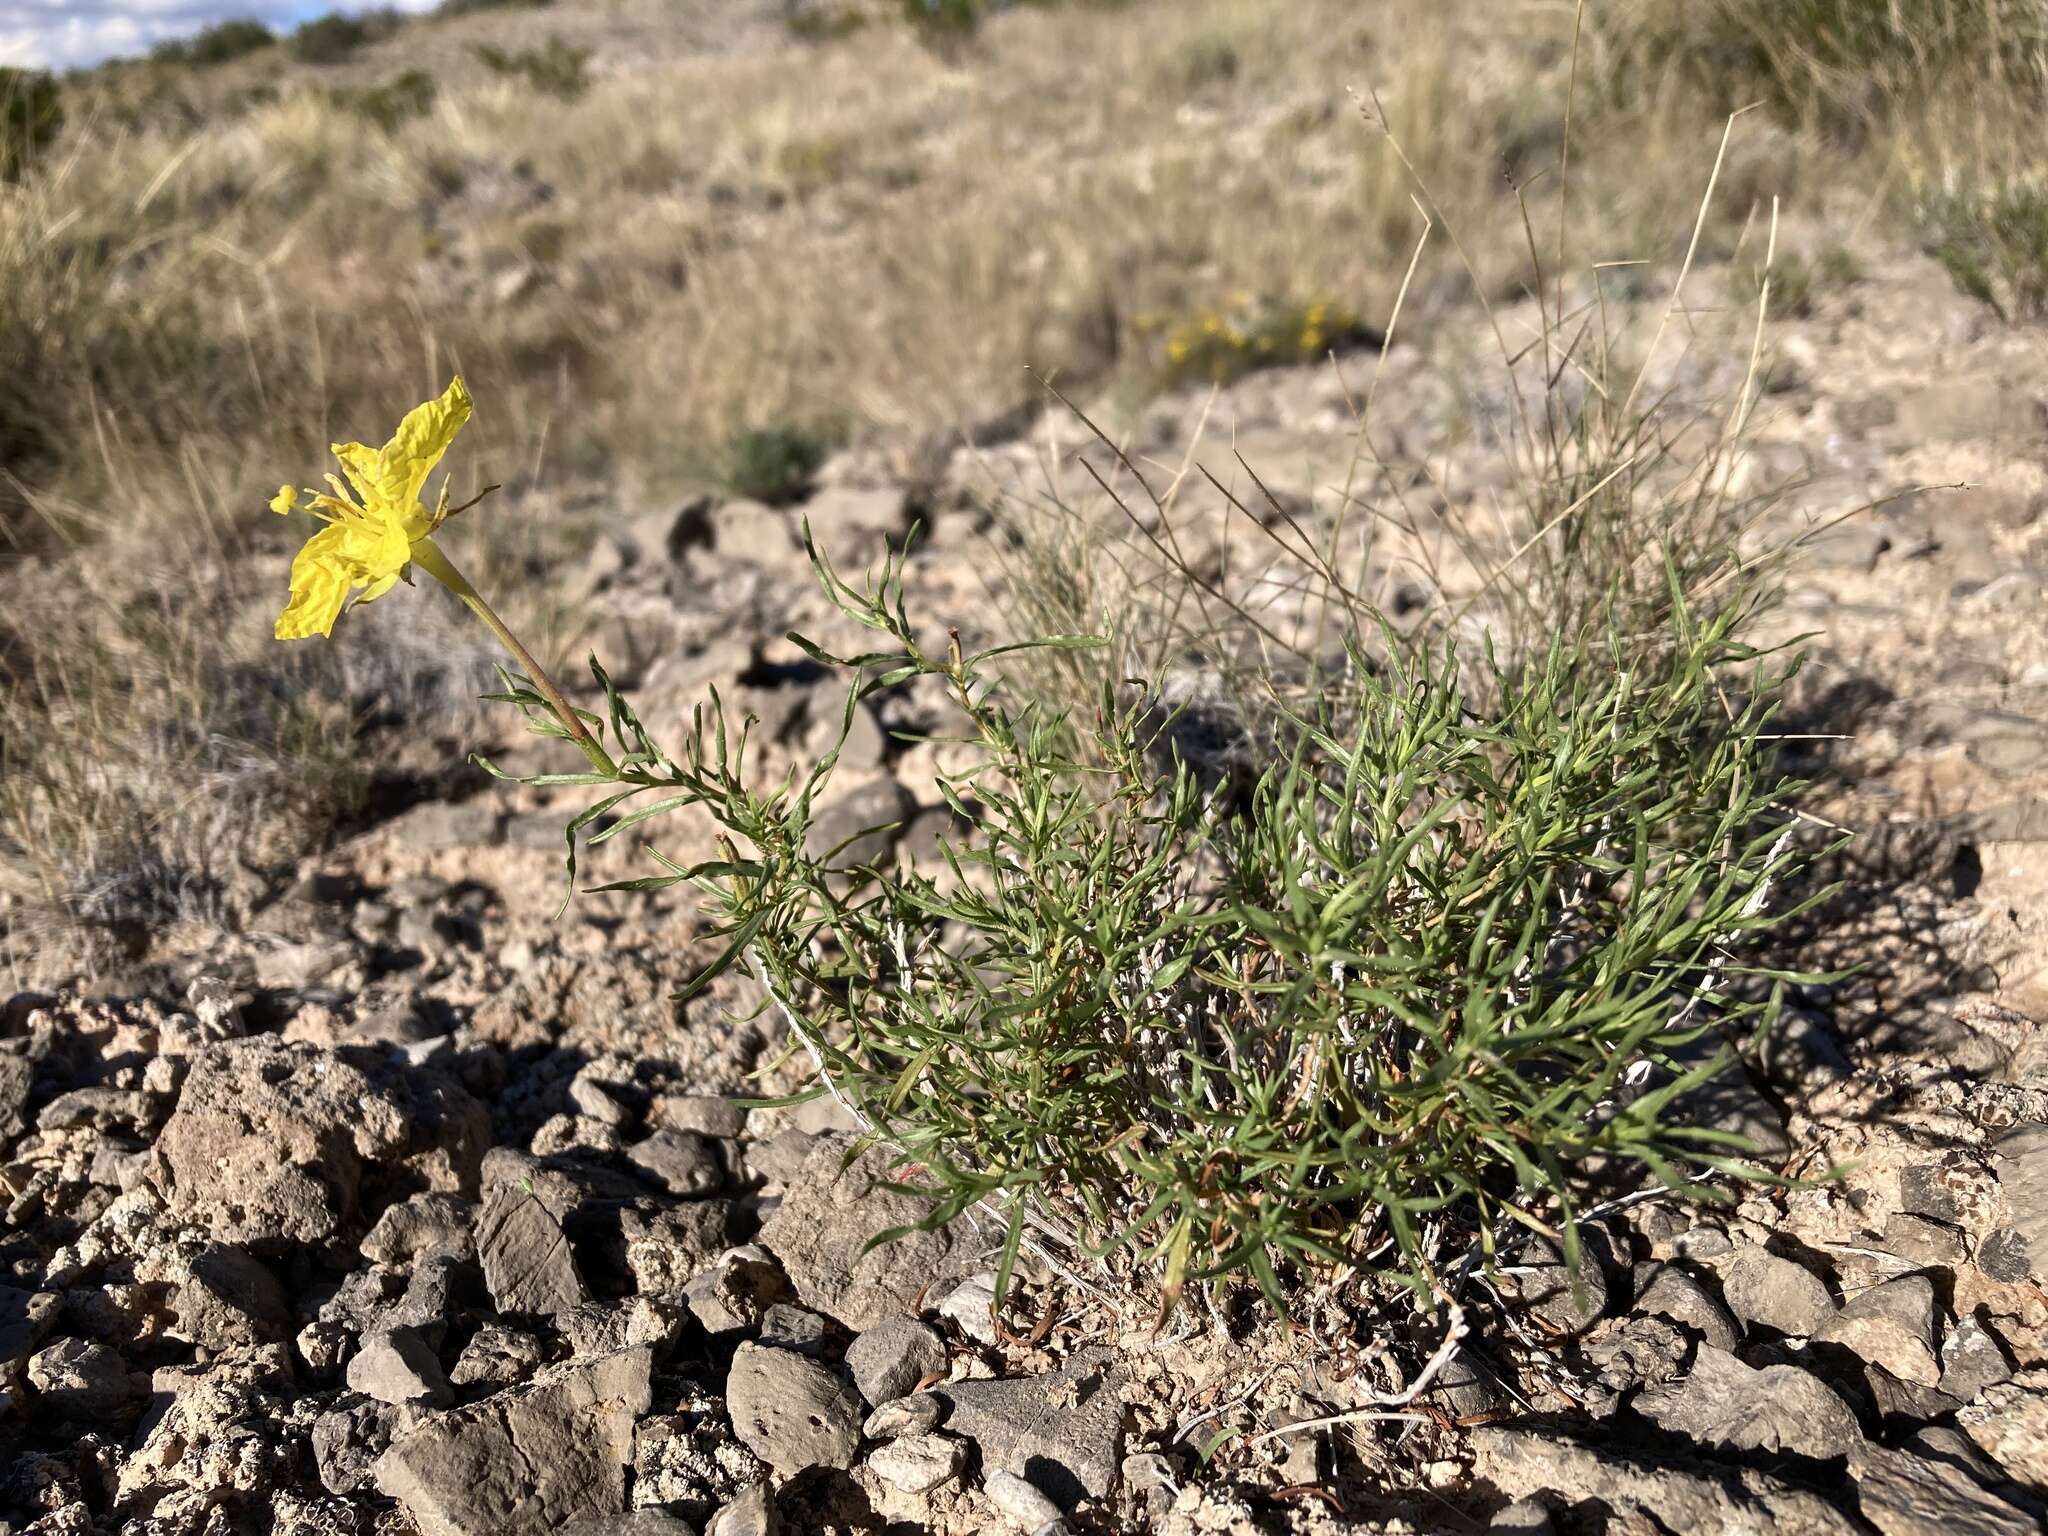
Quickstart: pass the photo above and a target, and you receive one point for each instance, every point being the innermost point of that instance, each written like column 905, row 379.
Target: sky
column 61, row 34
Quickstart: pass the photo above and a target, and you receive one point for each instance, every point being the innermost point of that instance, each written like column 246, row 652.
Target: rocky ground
column 405, row 1206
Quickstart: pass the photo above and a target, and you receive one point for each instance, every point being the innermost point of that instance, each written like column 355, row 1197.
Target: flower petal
column 375, row 548
column 320, row 583
column 374, row 483
column 423, row 437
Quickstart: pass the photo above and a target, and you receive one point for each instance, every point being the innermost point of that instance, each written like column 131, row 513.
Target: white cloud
column 63, row 34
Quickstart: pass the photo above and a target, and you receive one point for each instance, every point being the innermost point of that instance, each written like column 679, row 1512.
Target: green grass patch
column 1993, row 241
column 774, row 464
column 1841, row 65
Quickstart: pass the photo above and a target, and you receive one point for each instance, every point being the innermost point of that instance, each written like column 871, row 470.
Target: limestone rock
column 684, row 1163
column 1725, row 1404
column 275, row 1145
column 753, row 1513
column 1907, row 1495
column 1024, row 1502
column 970, row 1306
column 1672, row 1293
column 825, row 1221
column 791, row 1412
column 1766, row 1291
column 80, row 1381
column 919, row 1463
column 2021, row 1159
column 421, row 1224
column 2009, row 1423
column 1065, row 1428
column 1972, row 1358
column 892, row 1357
column 912, row 1415
column 525, row 1256
column 227, row 1298
column 527, row 1460
column 1649, row 1495
column 394, row 1365
column 1890, row 1325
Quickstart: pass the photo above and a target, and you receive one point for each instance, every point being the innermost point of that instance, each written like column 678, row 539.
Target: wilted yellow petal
column 416, row 447
column 374, row 481
column 320, row 585
column 369, row 539
column 286, row 498
column 374, row 548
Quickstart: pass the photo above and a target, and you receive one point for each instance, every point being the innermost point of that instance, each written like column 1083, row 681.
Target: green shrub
column 398, row 100
column 558, row 69
column 1993, row 243
column 944, row 20
column 471, row 7
column 1797, row 281
column 772, row 464
column 1450, row 949
column 218, row 44
column 825, row 23
column 31, row 115
column 333, row 38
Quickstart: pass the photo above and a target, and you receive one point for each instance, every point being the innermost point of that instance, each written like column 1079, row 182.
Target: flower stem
column 426, row 554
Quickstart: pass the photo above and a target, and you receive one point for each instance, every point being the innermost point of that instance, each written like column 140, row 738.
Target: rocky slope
column 408, row 1208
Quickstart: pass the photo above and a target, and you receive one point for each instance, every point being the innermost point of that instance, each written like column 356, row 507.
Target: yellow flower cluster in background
column 1224, row 343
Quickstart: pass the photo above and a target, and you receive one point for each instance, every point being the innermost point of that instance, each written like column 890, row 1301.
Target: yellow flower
column 376, row 524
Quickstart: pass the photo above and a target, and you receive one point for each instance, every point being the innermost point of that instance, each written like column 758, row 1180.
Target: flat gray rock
column 892, row 1357
column 1727, row 1405
column 1890, row 1325
column 1972, row 1358
column 1064, row 1431
column 820, row 1233
column 228, row 1299
column 2021, row 1158
column 420, row 1224
column 394, row 1365
column 684, row 1163
column 528, row 1460
column 919, row 1463
column 1766, row 1291
column 1907, row 1495
column 1674, row 1294
column 791, row 1412
column 753, row 1513
column 1648, row 1494
column 526, row 1259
